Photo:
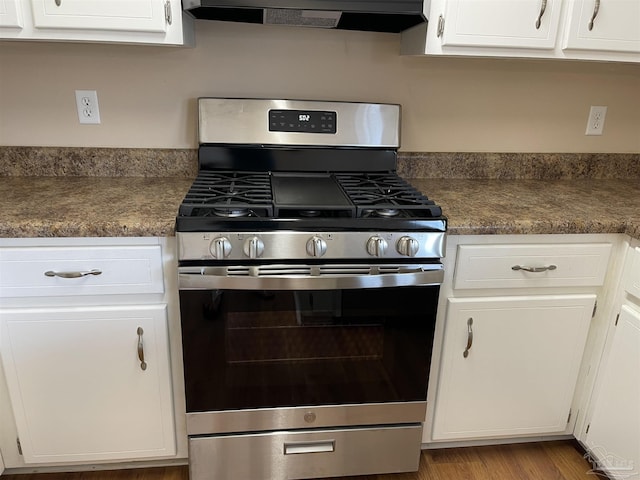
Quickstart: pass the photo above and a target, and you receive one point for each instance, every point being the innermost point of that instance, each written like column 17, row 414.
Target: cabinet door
column 502, row 23
column 519, row 374
column 10, row 14
column 614, row 429
column 122, row 15
column 604, row 25
column 77, row 386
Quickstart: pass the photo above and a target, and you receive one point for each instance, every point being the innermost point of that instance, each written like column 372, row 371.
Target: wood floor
column 561, row 460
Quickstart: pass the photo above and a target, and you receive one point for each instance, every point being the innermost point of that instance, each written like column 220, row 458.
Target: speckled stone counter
column 89, row 206
column 67, row 192
column 136, row 206
column 492, row 206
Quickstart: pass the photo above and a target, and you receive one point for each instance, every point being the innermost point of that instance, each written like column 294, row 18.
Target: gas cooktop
column 299, row 180
column 266, row 195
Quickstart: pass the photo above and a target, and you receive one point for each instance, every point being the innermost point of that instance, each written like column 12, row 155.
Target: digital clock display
column 305, row 121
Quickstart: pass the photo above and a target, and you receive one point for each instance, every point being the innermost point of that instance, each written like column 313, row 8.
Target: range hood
column 368, row 15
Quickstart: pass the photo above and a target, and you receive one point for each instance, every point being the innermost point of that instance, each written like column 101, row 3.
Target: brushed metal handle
column 440, row 29
column 534, row 269
column 596, row 9
column 167, row 12
column 58, row 3
column 51, row 273
column 543, row 7
column 465, row 354
column 292, row 448
column 143, row 364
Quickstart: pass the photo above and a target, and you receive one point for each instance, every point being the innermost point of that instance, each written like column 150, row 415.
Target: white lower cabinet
column 86, row 330
column 509, row 365
column 89, row 383
column 614, row 430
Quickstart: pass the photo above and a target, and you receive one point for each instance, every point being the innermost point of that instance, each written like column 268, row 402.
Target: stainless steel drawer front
column 306, row 454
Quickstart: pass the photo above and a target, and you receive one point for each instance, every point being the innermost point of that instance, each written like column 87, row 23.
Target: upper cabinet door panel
column 502, row 23
column 609, row 25
column 11, row 14
column 120, row 15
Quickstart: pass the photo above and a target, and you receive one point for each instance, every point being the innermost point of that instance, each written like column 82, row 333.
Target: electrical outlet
column 87, row 105
column 595, row 123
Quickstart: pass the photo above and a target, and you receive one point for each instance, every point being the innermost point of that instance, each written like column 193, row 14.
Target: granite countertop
column 83, row 192
column 90, row 206
column 147, row 206
column 526, row 206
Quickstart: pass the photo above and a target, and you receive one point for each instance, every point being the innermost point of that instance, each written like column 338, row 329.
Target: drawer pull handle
column 465, row 354
column 596, row 9
column 543, row 7
column 309, row 447
column 51, row 273
column 143, row 364
column 534, row 269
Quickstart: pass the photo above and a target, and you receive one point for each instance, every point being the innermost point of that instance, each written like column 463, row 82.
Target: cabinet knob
column 58, row 3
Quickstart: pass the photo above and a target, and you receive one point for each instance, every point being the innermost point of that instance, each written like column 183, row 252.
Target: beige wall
column 147, row 94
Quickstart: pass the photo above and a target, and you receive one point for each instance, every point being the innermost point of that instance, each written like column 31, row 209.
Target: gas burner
column 231, row 212
column 387, row 212
column 310, row 213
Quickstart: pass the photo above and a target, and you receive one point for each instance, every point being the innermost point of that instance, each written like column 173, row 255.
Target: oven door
column 293, row 351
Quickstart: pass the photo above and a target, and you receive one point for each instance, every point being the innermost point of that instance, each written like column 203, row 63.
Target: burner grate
column 229, row 194
column 386, row 195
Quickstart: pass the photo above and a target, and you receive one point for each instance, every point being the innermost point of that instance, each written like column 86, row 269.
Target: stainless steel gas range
column 309, row 274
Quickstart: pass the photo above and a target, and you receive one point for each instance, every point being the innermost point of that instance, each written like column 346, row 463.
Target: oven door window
column 266, row 349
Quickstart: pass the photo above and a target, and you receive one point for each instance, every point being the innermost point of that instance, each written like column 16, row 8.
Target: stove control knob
column 316, row 246
column 253, row 247
column 407, row 246
column 376, row 246
column 220, row 247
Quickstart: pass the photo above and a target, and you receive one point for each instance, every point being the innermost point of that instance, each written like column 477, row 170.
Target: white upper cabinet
column 607, row 30
column 124, row 15
column 11, row 14
column 116, row 21
column 608, row 25
column 502, row 23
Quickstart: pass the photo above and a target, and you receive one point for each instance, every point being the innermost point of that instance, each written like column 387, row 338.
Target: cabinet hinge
column 587, row 430
column 595, row 307
column 617, row 318
column 569, row 416
column 19, row 446
column 167, row 12
column 440, row 28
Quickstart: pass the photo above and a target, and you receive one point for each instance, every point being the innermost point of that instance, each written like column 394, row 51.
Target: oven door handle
column 214, row 278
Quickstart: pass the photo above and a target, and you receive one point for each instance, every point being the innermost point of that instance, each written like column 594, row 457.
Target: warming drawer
column 306, row 454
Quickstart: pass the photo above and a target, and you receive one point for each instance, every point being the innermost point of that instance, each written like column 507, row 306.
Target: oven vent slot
column 311, row 270
column 238, row 271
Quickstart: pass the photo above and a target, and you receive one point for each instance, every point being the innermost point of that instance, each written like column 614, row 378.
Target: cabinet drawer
column 632, row 278
column 504, row 266
column 55, row 271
